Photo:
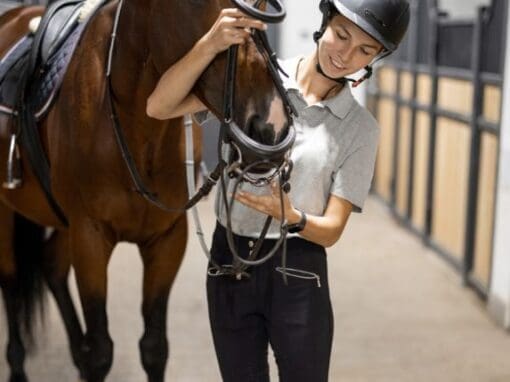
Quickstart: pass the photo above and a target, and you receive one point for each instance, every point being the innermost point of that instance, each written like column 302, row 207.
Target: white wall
column 462, row 8
column 499, row 298
column 296, row 34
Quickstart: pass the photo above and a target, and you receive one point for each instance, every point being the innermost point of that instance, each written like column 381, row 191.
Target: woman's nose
column 346, row 54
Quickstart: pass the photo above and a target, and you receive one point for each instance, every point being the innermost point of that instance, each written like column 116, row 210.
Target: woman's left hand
column 269, row 204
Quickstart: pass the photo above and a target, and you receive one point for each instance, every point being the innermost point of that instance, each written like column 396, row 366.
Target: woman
column 333, row 155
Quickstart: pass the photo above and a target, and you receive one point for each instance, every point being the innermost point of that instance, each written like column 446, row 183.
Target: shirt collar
column 339, row 105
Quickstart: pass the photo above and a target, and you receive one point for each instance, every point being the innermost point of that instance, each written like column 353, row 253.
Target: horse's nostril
column 252, row 125
column 259, row 130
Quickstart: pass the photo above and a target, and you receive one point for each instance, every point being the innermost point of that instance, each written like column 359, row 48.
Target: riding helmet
column 384, row 20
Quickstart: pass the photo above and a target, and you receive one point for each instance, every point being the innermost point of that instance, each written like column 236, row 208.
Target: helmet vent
column 378, row 20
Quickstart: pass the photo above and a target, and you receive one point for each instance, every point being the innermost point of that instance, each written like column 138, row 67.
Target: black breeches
column 249, row 314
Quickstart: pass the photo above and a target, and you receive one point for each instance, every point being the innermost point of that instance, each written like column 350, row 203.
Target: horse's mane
column 87, row 8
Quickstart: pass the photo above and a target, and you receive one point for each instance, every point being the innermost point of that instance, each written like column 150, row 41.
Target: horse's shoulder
column 97, row 37
column 21, row 14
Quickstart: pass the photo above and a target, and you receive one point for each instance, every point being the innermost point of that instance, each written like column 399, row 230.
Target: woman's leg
column 301, row 329
column 239, row 331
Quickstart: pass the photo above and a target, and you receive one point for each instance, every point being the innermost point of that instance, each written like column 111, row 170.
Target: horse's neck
column 130, row 69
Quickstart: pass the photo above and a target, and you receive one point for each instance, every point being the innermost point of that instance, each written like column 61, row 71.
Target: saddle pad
column 47, row 79
column 46, row 86
column 12, row 69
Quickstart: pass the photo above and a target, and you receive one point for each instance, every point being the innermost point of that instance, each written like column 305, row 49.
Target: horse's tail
column 29, row 282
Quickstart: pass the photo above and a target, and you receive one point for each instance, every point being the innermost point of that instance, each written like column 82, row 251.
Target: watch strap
column 299, row 226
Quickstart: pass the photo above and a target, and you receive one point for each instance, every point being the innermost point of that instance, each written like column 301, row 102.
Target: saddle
column 31, row 74
column 41, row 58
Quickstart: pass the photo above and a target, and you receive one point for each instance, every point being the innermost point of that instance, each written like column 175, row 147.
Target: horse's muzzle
column 260, row 158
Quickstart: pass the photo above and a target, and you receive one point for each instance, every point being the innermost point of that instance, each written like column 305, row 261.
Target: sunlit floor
column 401, row 314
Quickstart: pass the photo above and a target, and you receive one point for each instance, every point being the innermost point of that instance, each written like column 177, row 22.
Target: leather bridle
column 273, row 159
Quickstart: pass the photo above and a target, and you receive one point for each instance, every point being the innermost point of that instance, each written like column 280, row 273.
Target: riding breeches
column 247, row 315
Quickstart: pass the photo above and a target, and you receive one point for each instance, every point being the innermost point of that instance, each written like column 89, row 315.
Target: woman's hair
column 333, row 13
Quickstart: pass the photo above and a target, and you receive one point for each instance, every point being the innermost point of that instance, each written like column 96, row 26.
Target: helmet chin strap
column 344, row 80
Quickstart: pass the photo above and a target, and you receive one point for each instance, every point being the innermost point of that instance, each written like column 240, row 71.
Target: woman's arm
column 324, row 230
column 171, row 98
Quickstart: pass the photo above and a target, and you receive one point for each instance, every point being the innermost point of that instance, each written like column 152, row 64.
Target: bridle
column 273, row 159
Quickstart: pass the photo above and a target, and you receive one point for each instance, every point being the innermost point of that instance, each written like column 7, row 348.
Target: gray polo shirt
column 334, row 153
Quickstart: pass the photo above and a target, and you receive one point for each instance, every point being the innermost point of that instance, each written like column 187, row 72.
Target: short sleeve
column 353, row 178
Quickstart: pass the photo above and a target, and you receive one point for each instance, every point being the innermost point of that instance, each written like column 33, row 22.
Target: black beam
column 413, row 54
column 474, row 158
column 396, row 143
column 433, row 70
column 450, row 72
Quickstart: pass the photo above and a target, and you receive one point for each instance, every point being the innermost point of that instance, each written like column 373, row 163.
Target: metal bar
column 482, row 123
column 413, row 54
column 396, row 144
column 447, row 22
column 434, row 50
column 488, row 127
column 474, row 159
column 453, row 115
column 451, row 72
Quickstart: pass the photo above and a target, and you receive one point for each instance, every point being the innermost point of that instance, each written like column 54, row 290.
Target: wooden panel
column 421, row 165
column 403, row 160
column 424, row 91
column 406, row 85
column 485, row 212
column 388, row 80
column 451, row 185
column 386, row 116
column 492, row 104
column 455, row 95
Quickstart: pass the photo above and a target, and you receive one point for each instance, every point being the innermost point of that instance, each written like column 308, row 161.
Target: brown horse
column 90, row 180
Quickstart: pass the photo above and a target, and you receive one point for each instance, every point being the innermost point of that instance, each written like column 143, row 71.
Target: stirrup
column 14, row 179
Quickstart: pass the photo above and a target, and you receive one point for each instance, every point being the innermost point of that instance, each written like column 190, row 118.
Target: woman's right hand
column 231, row 27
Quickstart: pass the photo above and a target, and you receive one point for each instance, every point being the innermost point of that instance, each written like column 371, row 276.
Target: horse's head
column 258, row 107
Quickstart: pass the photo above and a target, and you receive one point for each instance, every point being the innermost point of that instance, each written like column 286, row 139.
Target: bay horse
column 90, row 180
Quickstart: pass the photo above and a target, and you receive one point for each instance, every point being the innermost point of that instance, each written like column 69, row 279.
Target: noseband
column 245, row 147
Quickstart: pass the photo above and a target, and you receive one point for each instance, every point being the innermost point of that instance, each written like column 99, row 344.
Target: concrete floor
column 401, row 314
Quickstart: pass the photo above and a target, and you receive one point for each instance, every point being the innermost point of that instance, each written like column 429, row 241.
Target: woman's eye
column 341, row 37
column 365, row 52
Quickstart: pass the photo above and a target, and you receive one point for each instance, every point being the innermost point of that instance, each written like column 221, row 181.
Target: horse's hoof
column 18, row 378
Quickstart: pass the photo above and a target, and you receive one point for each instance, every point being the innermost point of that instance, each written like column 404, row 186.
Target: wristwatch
column 299, row 226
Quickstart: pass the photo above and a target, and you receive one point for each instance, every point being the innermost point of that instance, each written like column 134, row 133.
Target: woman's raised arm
column 171, row 98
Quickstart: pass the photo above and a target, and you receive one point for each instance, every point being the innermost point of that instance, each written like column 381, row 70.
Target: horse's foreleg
column 15, row 348
column 57, row 264
column 161, row 259
column 90, row 256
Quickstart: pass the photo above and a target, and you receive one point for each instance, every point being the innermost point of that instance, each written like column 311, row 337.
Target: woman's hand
column 270, row 204
column 231, row 27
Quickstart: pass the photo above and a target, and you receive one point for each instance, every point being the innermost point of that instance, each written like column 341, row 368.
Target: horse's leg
column 161, row 259
column 57, row 263
column 21, row 283
column 15, row 348
column 90, row 256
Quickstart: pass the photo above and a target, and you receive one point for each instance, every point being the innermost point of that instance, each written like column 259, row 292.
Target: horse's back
column 14, row 25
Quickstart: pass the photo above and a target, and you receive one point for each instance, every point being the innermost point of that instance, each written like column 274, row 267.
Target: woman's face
column 345, row 48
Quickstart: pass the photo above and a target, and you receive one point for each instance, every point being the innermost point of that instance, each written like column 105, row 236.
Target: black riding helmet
column 385, row 20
